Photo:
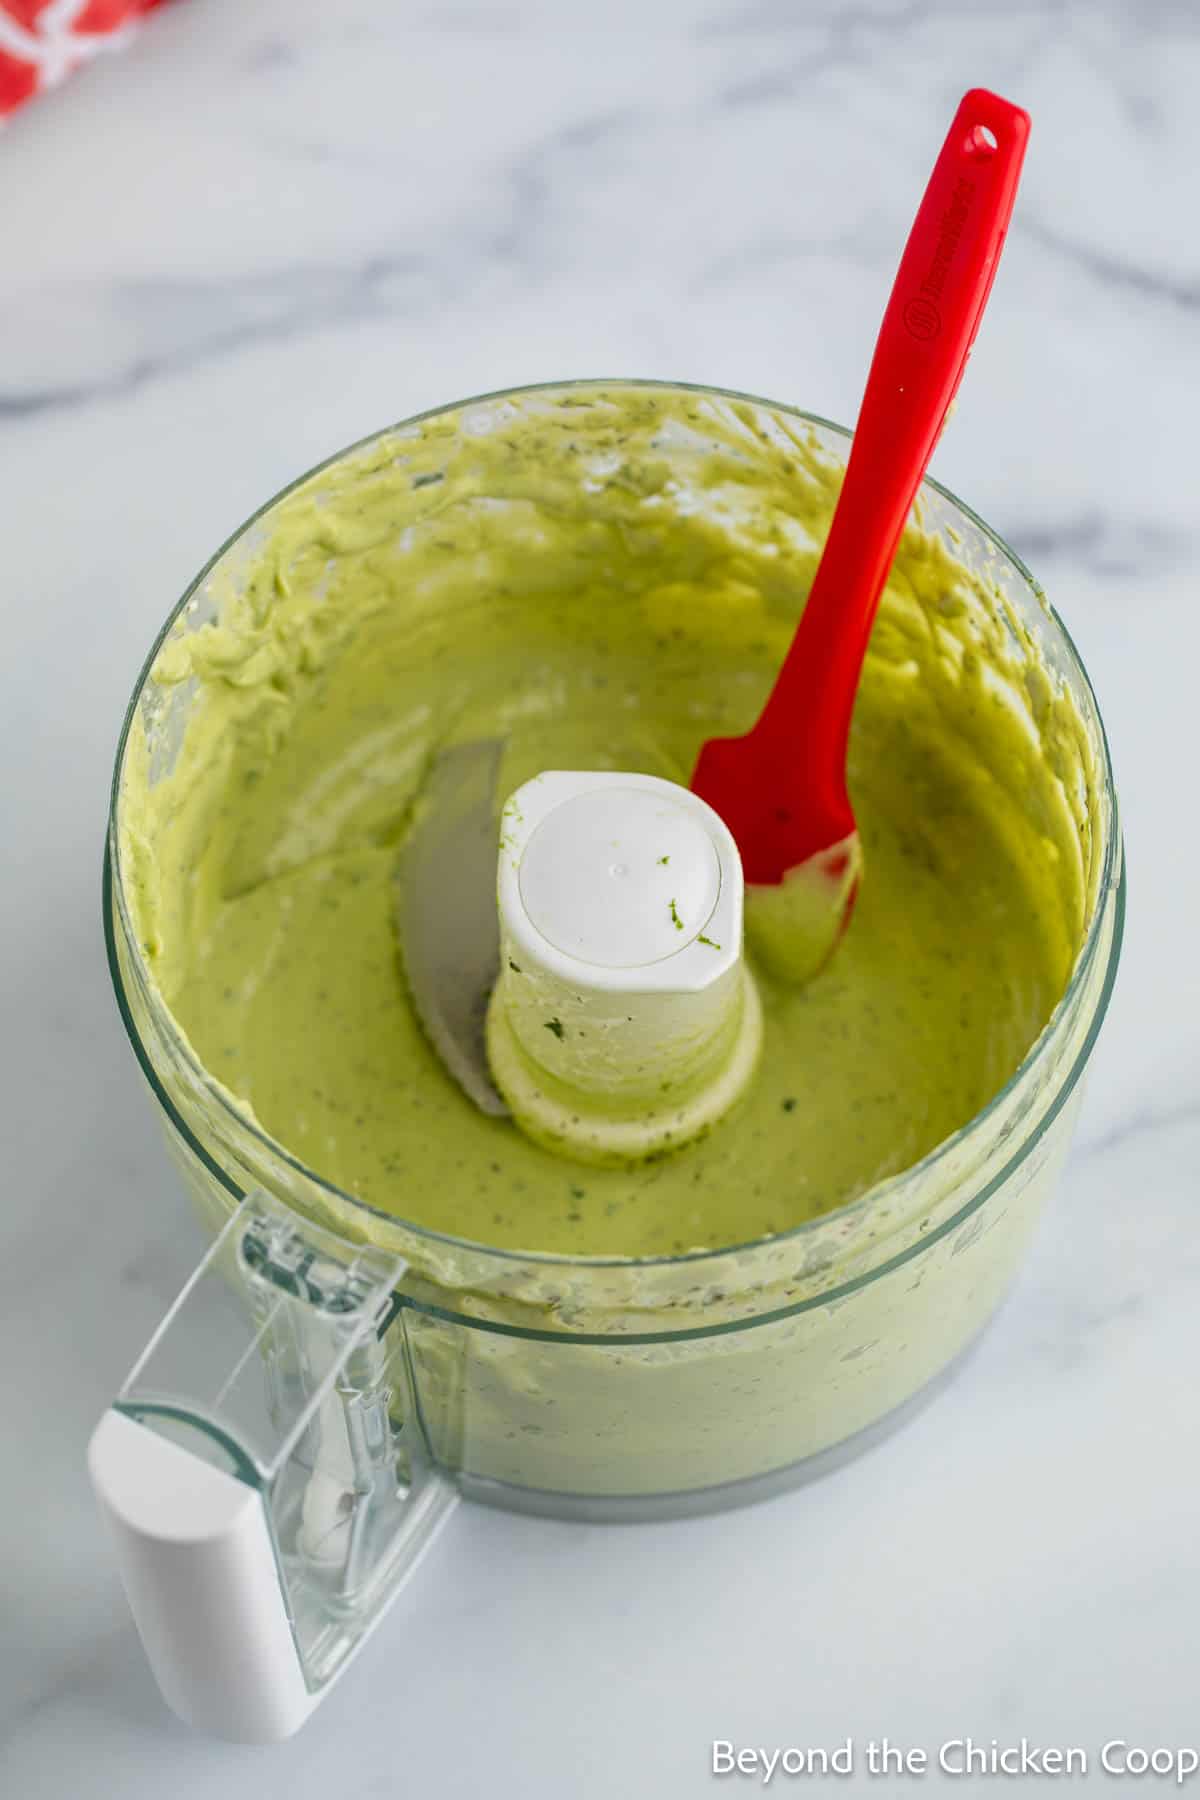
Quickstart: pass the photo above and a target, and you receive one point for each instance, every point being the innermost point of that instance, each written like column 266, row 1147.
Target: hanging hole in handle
column 981, row 142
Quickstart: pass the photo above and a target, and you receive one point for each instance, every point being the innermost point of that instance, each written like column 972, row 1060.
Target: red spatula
column 781, row 789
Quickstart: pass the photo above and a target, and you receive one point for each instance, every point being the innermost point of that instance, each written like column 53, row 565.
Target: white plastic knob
column 624, row 1022
column 197, row 1564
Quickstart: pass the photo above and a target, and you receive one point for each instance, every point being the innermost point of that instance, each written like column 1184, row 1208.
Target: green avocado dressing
column 605, row 582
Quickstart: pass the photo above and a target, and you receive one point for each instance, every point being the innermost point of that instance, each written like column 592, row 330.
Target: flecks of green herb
column 556, row 1026
column 420, row 481
column 789, row 1105
column 711, row 942
column 675, row 918
column 515, row 967
column 663, row 861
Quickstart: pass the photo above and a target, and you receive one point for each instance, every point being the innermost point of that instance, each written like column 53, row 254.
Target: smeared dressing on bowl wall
column 607, row 575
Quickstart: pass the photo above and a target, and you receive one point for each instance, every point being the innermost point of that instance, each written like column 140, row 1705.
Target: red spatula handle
column 936, row 304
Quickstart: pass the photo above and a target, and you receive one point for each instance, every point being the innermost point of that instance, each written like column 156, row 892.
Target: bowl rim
column 1111, row 878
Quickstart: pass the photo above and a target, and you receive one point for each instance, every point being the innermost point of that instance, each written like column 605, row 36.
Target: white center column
column 624, row 1022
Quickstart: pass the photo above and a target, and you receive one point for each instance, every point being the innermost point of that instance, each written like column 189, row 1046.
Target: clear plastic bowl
column 639, row 1387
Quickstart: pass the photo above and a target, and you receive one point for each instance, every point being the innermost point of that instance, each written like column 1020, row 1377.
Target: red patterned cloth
column 43, row 40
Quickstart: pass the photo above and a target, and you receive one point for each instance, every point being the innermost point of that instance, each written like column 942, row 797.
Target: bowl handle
column 264, row 1475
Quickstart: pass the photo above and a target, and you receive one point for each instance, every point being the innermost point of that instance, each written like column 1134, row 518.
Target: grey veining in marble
column 265, row 230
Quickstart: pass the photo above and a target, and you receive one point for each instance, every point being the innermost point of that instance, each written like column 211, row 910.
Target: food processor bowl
column 643, row 1387
column 616, row 1382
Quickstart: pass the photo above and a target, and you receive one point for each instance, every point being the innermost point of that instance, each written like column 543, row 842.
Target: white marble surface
column 269, row 228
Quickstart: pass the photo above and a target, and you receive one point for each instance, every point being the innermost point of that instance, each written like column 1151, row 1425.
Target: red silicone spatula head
column 781, row 789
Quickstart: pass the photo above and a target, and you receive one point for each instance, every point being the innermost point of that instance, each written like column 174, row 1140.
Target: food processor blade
column 446, row 911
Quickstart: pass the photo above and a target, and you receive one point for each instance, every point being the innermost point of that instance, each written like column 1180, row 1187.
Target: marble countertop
column 264, row 230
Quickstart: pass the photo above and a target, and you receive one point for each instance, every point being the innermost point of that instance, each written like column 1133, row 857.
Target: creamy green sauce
column 607, row 581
